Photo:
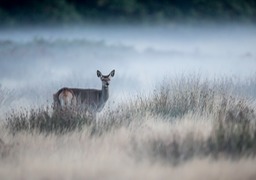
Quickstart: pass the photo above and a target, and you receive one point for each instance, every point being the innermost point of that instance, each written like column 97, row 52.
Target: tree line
column 66, row 11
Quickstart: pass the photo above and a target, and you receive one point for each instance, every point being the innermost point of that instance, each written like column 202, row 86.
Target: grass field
column 187, row 128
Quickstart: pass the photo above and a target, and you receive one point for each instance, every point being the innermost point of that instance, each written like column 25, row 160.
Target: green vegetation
column 70, row 11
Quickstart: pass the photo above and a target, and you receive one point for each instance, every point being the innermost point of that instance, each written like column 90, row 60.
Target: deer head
column 105, row 78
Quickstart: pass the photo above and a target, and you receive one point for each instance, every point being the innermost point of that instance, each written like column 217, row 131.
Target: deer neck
column 104, row 94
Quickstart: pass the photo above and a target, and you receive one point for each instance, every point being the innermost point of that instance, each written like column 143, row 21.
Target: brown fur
column 90, row 100
column 64, row 97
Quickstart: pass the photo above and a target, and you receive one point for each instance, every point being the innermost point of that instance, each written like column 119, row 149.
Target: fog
column 36, row 62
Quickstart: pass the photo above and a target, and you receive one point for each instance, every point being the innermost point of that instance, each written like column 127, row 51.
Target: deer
column 90, row 100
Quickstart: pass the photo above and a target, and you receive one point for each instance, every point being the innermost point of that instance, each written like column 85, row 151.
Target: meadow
column 188, row 127
column 181, row 106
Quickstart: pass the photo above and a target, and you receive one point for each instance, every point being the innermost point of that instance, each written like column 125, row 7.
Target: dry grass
column 186, row 129
column 126, row 153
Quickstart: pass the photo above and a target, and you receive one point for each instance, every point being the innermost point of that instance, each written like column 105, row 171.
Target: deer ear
column 99, row 73
column 112, row 73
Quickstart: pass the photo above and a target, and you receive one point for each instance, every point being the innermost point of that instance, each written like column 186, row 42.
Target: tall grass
column 181, row 121
column 6, row 96
column 44, row 120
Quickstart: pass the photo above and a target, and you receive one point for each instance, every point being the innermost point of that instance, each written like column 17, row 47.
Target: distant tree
column 62, row 11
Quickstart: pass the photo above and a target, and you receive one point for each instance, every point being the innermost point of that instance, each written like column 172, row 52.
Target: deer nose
column 107, row 83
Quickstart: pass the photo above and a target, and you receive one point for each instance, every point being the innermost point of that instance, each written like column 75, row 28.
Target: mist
column 37, row 61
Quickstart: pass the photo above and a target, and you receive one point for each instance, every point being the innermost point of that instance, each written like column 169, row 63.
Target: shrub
column 43, row 120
